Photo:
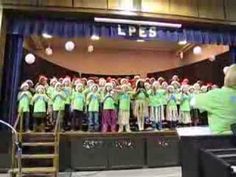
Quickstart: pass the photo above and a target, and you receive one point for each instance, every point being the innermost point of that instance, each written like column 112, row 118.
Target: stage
column 99, row 151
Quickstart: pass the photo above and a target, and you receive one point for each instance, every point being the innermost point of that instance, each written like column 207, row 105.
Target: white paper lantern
column 69, row 46
column 48, row 51
column 90, row 48
column 197, row 50
column 29, row 58
column 225, row 69
column 212, row 58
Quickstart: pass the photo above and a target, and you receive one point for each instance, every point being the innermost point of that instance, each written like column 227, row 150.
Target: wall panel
column 101, row 4
column 230, row 6
column 211, row 9
column 133, row 5
column 56, row 3
column 184, row 7
column 155, row 6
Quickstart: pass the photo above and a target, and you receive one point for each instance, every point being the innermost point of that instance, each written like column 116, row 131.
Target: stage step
column 35, row 144
column 38, row 156
column 34, row 170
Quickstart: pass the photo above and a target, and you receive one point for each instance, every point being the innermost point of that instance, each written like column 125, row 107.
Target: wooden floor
column 151, row 172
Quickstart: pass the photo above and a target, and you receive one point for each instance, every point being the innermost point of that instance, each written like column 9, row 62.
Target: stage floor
column 154, row 172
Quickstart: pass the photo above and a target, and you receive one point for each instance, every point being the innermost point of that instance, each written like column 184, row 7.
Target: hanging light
column 197, row 50
column 90, row 48
column 29, row 58
column 225, row 69
column 140, row 40
column 212, row 58
column 46, row 36
column 48, row 51
column 95, row 37
column 181, row 55
column 182, row 42
column 69, row 46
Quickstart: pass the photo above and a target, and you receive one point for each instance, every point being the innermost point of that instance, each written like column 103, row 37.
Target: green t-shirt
column 93, row 100
column 40, row 102
column 50, row 91
column 221, row 107
column 171, row 101
column 24, row 99
column 185, row 102
column 109, row 102
column 154, row 99
column 78, row 101
column 124, row 101
column 162, row 96
column 68, row 93
column 178, row 97
column 58, row 100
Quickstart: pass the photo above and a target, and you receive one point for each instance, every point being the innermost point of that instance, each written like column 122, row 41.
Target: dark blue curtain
column 11, row 76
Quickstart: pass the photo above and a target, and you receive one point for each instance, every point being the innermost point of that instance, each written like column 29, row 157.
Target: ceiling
column 39, row 43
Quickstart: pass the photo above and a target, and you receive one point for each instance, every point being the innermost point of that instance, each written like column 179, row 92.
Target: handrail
column 56, row 141
column 17, row 144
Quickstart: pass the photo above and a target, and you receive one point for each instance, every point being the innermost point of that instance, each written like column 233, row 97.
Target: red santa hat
column 42, row 78
column 185, row 81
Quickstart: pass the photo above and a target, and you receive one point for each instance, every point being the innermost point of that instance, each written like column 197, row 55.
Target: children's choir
column 109, row 104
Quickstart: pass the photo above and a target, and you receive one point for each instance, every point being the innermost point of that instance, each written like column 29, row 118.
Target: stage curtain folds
column 72, row 28
column 11, row 76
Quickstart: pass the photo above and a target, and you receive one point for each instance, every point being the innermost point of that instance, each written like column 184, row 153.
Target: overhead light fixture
column 46, row 36
column 212, row 58
column 182, row 42
column 90, row 48
column 140, row 40
column 197, row 50
column 69, row 46
column 29, row 58
column 48, row 51
column 95, row 37
column 137, row 22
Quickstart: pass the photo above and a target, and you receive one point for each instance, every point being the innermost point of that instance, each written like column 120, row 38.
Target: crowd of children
column 102, row 104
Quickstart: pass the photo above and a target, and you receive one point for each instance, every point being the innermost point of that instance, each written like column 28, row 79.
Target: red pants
column 109, row 119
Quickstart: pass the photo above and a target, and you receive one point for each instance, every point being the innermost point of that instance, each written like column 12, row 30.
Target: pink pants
column 109, row 119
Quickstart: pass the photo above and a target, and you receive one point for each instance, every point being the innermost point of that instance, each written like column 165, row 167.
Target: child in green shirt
column 24, row 98
column 40, row 102
column 93, row 100
column 185, row 117
column 51, row 87
column 124, row 99
column 58, row 104
column 171, row 109
column 109, row 109
column 157, row 108
column 78, row 106
column 68, row 92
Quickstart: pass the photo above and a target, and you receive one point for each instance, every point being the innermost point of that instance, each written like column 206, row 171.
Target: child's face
column 25, row 88
column 125, row 88
column 164, row 85
column 79, row 88
column 41, row 90
column 58, row 88
column 197, row 87
column 191, row 90
column 185, row 90
column 94, row 89
column 109, row 88
column 171, row 89
column 53, row 83
column 147, row 86
column 67, row 83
